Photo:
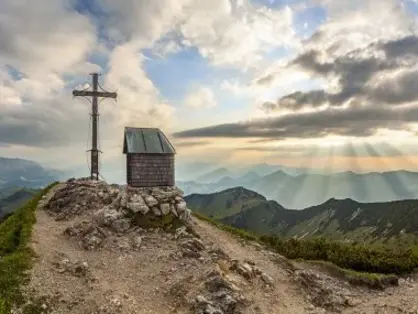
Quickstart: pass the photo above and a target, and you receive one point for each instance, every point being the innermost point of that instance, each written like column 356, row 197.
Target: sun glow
column 331, row 141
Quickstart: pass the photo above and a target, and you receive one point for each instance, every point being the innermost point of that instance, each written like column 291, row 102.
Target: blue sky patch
column 176, row 75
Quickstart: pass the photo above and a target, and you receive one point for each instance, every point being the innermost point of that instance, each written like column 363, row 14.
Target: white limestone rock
column 137, row 204
column 151, row 201
column 165, row 208
column 181, row 207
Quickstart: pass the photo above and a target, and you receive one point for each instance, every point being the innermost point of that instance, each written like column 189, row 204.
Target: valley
column 394, row 222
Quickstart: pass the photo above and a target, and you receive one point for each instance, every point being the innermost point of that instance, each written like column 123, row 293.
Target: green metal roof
column 146, row 141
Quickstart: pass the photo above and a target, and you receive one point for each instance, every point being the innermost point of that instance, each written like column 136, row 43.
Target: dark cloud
column 50, row 124
column 266, row 79
column 191, row 144
column 362, row 75
column 357, row 121
column 378, row 86
column 401, row 47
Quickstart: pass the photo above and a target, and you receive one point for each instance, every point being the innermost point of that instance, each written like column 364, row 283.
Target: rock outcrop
column 111, row 209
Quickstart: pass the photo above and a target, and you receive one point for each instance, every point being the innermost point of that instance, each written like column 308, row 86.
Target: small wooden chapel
column 149, row 158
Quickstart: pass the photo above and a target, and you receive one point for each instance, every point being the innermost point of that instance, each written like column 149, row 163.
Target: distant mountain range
column 20, row 180
column 14, row 198
column 16, row 172
column 307, row 188
column 340, row 219
column 211, row 173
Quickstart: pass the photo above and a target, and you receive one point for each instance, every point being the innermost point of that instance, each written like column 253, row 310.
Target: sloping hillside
column 337, row 219
column 15, row 199
column 96, row 259
column 225, row 203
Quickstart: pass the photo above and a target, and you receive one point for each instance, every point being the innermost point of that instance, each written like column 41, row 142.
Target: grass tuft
column 16, row 257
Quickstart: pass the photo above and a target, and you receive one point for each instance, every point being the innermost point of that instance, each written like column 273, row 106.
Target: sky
column 306, row 83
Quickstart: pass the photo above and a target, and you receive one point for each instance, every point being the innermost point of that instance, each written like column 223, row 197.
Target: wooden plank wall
column 147, row 170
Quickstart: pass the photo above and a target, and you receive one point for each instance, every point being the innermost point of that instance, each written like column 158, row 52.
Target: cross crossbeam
column 95, row 94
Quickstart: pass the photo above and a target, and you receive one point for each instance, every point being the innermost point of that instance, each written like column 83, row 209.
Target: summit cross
column 95, row 94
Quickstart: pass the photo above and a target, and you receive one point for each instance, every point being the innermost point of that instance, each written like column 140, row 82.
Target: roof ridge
column 140, row 128
column 146, row 140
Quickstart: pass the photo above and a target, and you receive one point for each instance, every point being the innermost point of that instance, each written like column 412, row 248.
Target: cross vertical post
column 95, row 114
column 95, row 93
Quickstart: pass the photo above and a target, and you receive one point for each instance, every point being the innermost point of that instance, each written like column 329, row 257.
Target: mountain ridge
column 309, row 189
column 334, row 218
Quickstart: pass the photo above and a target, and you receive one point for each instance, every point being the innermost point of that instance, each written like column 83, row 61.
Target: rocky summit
column 103, row 248
column 111, row 209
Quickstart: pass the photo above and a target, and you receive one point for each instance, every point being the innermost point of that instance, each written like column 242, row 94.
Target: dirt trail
column 119, row 279
column 401, row 299
column 286, row 297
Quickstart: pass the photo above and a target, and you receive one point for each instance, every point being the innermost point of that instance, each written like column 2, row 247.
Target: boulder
column 92, row 241
column 124, row 199
column 106, row 216
column 137, row 204
column 151, row 201
column 165, row 208
column 181, row 207
column 244, row 269
column 121, row 225
column 173, row 210
column 137, row 242
column 156, row 211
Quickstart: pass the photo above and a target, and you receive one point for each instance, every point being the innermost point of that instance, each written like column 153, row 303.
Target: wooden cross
column 95, row 93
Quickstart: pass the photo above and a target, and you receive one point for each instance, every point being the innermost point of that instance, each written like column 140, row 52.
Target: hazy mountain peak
column 214, row 175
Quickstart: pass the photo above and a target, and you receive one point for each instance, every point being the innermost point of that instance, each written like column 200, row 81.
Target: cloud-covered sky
column 228, row 81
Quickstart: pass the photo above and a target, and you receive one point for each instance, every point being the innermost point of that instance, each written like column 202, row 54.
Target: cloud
column 36, row 46
column 141, row 21
column 43, row 59
column 350, row 27
column 202, row 97
column 216, row 28
column 191, row 143
column 358, row 121
column 236, row 32
column 37, row 107
column 382, row 73
column 36, row 110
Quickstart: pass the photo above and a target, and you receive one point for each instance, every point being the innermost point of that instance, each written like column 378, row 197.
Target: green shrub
column 15, row 254
column 357, row 257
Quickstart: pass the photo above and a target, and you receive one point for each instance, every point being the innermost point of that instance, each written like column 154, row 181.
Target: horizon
column 300, row 83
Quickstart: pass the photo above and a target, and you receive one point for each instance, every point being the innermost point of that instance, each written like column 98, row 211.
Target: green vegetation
column 371, row 280
column 15, row 254
column 226, row 203
column 354, row 258
column 392, row 224
column 358, row 257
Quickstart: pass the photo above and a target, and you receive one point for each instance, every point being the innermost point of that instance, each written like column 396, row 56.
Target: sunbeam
column 301, row 181
column 358, row 188
column 390, row 179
